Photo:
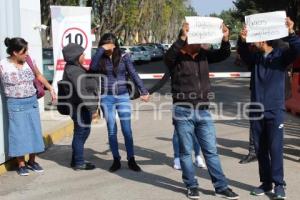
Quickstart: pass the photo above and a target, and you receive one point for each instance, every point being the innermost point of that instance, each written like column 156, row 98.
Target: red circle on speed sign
column 74, row 35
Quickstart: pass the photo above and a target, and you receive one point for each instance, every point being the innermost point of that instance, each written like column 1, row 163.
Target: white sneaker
column 199, row 162
column 177, row 164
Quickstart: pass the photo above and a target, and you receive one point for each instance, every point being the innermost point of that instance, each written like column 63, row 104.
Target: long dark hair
column 109, row 38
column 15, row 44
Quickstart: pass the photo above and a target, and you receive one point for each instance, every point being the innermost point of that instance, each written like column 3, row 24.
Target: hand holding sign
column 205, row 30
column 184, row 31
column 266, row 26
column 225, row 33
column 243, row 34
column 290, row 25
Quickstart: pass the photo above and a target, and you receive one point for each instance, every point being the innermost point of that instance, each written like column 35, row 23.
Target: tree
column 133, row 21
column 246, row 7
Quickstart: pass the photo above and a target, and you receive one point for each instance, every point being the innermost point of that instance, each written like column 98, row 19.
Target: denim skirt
column 24, row 127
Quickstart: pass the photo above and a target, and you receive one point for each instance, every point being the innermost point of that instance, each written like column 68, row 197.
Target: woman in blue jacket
column 115, row 69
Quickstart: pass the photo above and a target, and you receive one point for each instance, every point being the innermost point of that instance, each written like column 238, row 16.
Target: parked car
column 48, row 64
column 94, row 50
column 166, row 46
column 156, row 53
column 156, row 46
column 147, row 54
column 136, row 54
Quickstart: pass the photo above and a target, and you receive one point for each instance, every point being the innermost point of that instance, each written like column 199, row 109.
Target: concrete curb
column 50, row 138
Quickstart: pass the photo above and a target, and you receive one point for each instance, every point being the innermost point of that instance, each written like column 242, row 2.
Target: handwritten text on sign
column 204, row 30
column 266, row 26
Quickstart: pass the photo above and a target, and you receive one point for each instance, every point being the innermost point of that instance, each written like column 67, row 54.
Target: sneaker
column 228, row 194
column 193, row 193
column 85, row 166
column 279, row 192
column 116, row 165
column 177, row 164
column 133, row 165
column 23, row 171
column 199, row 162
column 35, row 167
column 262, row 189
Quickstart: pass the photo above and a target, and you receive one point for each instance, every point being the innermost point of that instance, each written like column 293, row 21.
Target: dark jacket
column 190, row 77
column 85, row 86
column 117, row 84
column 268, row 73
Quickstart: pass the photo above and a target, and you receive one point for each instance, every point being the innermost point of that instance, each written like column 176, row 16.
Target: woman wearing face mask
column 84, row 102
column 24, row 127
column 114, row 95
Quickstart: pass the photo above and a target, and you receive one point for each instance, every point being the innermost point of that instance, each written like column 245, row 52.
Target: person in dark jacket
column 188, row 68
column 267, row 91
column 83, row 101
column 115, row 69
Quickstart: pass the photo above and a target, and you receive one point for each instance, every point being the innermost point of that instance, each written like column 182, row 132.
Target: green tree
column 132, row 21
column 246, row 7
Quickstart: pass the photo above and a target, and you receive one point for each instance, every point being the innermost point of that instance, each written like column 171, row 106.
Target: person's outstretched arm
column 224, row 52
column 172, row 53
column 246, row 55
column 293, row 52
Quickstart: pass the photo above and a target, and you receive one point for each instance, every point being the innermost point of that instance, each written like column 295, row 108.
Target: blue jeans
column 82, row 128
column 189, row 123
column 176, row 145
column 110, row 104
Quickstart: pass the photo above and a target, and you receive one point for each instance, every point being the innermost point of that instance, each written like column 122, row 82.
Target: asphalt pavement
column 152, row 132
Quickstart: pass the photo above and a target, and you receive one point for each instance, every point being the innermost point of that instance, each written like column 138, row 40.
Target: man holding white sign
column 267, row 90
column 188, row 67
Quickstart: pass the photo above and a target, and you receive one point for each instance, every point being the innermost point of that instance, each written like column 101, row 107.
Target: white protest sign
column 69, row 25
column 266, row 26
column 204, row 30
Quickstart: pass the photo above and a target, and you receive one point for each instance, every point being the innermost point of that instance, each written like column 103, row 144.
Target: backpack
column 64, row 106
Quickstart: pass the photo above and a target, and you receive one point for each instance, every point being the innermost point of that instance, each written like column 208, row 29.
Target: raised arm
column 221, row 54
column 172, row 54
column 246, row 55
column 293, row 52
column 94, row 66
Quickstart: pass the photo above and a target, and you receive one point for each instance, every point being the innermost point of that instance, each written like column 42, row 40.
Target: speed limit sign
column 70, row 24
column 74, row 35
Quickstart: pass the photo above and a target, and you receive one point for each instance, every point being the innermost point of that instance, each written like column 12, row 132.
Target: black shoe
column 284, row 185
column 279, row 192
column 262, row 189
column 228, row 194
column 116, row 165
column 247, row 159
column 85, row 162
column 85, row 166
column 193, row 193
column 133, row 166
